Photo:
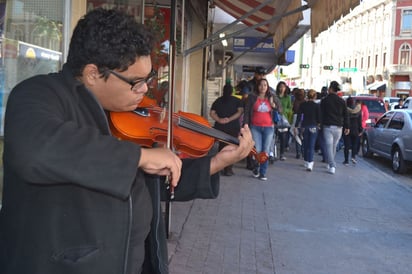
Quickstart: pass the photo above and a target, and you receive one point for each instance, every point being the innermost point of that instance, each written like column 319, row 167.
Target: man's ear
column 90, row 74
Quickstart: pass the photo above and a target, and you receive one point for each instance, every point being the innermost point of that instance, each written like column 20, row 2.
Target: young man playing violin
column 76, row 199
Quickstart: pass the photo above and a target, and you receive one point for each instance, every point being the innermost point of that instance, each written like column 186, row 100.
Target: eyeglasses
column 139, row 82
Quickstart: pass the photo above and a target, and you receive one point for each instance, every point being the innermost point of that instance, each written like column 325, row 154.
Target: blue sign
column 290, row 56
column 258, row 45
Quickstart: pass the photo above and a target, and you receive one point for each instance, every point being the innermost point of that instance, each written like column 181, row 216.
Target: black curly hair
column 110, row 39
column 334, row 86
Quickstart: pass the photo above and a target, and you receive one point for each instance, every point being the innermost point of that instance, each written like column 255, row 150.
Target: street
column 356, row 221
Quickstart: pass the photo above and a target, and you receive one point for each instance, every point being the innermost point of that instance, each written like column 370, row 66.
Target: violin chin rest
column 142, row 112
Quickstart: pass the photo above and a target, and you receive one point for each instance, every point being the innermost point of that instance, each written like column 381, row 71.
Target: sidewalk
column 241, row 207
column 296, row 222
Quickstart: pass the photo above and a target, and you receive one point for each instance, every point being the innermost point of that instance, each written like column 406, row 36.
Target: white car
column 392, row 101
column 408, row 103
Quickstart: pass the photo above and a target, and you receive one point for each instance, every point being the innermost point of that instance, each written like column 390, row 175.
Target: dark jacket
column 74, row 200
column 308, row 115
column 333, row 111
column 226, row 107
column 355, row 120
column 253, row 85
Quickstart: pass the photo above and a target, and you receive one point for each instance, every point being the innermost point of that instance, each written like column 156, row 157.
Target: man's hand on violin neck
column 161, row 161
column 245, row 138
column 231, row 154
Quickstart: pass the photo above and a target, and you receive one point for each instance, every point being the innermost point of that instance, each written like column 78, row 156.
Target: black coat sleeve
column 195, row 181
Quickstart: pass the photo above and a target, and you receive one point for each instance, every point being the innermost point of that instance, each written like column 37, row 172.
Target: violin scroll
column 260, row 157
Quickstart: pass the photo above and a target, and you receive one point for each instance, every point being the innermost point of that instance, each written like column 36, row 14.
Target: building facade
column 367, row 51
column 400, row 70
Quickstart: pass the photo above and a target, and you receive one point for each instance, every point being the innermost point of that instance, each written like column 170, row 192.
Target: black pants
column 283, row 141
column 351, row 142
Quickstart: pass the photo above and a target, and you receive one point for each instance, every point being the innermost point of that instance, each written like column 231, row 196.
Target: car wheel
column 366, row 152
column 398, row 163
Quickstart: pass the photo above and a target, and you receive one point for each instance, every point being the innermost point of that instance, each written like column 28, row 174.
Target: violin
column 192, row 134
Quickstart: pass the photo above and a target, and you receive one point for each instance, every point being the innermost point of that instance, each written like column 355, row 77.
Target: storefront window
column 33, row 39
column 31, row 42
column 132, row 7
column 157, row 18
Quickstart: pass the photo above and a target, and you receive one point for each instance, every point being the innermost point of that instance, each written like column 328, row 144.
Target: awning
column 239, row 8
column 280, row 18
column 380, row 85
column 325, row 12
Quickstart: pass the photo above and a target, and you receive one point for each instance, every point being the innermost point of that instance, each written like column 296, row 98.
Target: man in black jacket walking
column 334, row 121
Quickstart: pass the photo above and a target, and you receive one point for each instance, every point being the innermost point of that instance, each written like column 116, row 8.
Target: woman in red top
column 258, row 115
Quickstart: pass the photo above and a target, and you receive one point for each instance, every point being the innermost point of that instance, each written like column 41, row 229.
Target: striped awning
column 325, row 12
column 238, row 8
column 272, row 20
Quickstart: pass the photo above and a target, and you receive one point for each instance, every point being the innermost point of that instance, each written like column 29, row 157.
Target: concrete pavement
column 356, row 221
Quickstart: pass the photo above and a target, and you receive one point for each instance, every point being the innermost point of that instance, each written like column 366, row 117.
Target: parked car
column 391, row 137
column 375, row 106
column 392, row 101
column 408, row 103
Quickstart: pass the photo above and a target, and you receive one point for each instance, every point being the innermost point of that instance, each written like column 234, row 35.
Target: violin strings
column 208, row 130
column 195, row 126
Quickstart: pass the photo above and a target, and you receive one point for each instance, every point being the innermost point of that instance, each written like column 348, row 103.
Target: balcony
column 400, row 69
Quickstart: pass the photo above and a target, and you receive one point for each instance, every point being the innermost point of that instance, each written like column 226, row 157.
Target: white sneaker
column 327, row 166
column 255, row 173
column 305, row 164
column 331, row 170
column 309, row 166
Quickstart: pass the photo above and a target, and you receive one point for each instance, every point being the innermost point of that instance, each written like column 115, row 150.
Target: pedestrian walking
column 309, row 119
column 226, row 111
column 258, row 114
column 258, row 75
column 283, row 93
column 351, row 140
column 299, row 95
column 334, row 121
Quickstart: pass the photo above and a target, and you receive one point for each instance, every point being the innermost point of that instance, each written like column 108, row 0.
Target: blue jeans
column 309, row 139
column 263, row 137
column 331, row 135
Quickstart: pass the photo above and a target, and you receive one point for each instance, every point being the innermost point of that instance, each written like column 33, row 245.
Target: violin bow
column 170, row 104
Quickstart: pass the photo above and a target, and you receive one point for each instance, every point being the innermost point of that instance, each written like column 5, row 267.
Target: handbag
column 283, row 122
column 275, row 116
